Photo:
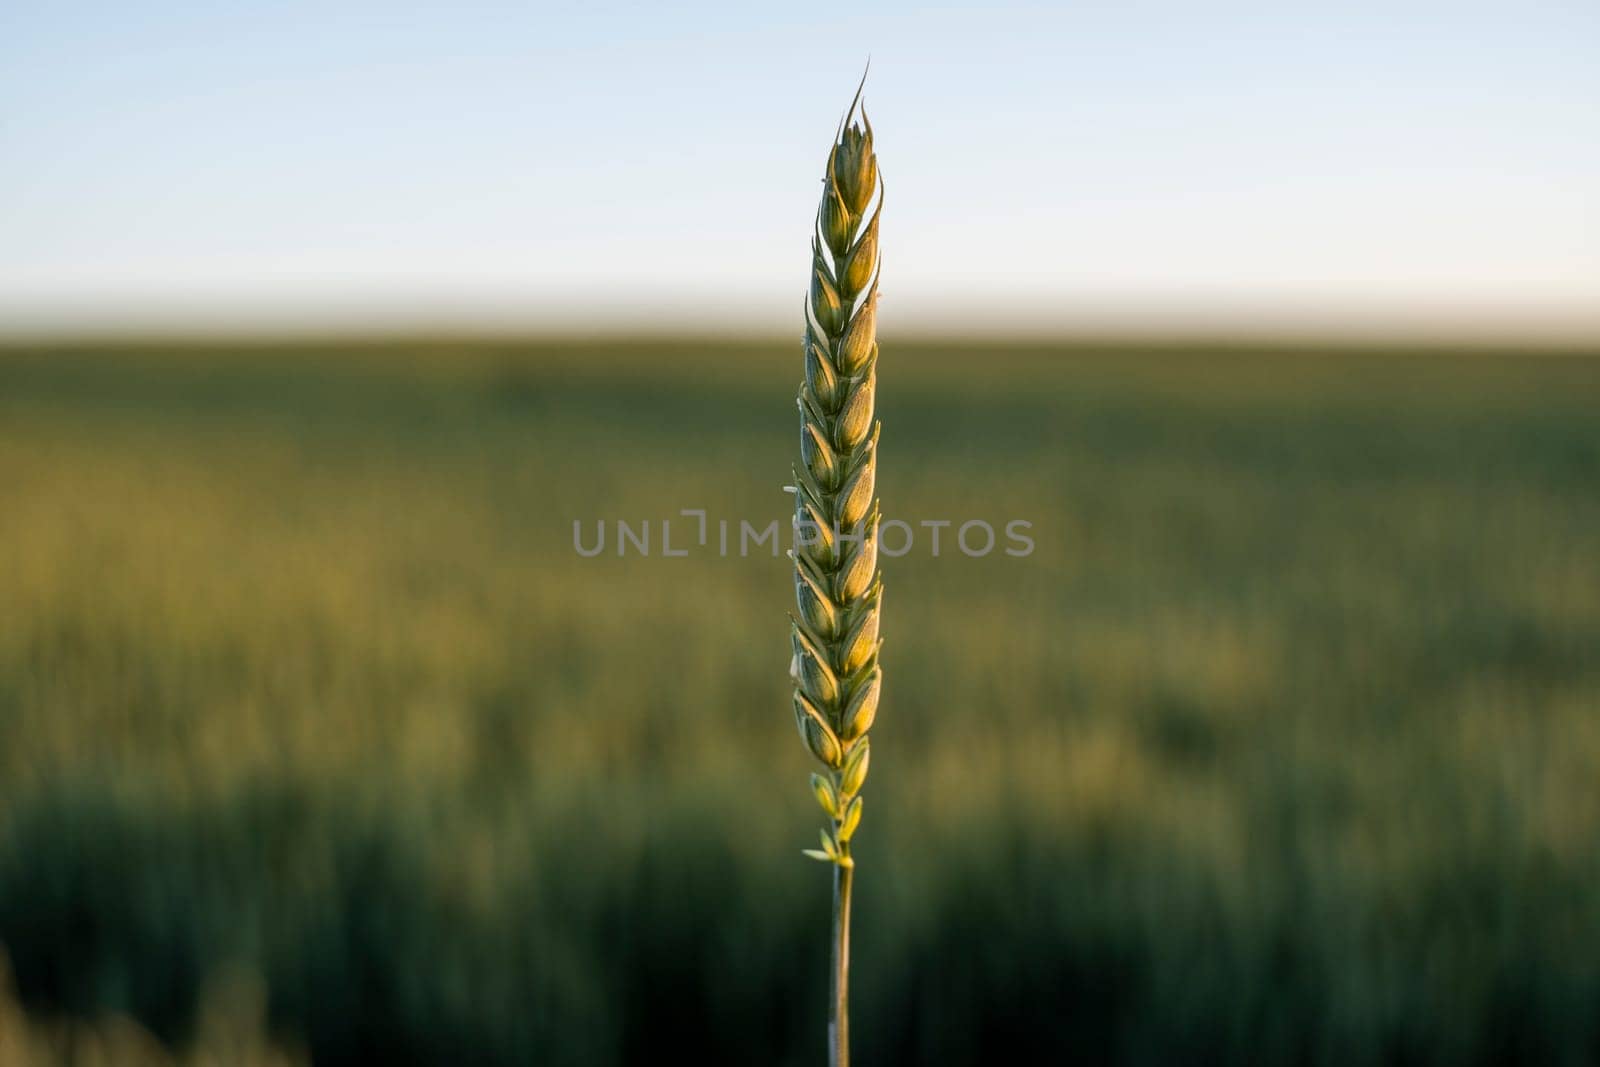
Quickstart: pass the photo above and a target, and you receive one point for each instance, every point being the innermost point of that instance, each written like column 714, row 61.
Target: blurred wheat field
column 1283, row 746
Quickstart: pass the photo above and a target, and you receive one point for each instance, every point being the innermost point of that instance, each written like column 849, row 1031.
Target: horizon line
column 1223, row 318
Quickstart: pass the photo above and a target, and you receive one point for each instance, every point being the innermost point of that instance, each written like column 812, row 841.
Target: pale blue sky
column 601, row 166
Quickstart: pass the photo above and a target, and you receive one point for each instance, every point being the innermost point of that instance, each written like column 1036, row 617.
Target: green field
column 1282, row 747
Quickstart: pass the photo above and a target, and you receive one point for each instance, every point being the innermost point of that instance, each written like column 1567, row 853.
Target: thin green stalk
column 839, row 1000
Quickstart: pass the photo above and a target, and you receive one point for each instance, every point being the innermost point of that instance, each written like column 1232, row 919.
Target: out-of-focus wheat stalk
column 839, row 592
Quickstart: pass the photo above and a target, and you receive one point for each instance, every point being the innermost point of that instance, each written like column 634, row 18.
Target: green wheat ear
column 838, row 591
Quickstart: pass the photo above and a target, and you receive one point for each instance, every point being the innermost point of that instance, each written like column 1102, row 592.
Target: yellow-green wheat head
column 837, row 680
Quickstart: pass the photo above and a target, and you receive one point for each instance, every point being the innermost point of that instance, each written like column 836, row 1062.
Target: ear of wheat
column 837, row 680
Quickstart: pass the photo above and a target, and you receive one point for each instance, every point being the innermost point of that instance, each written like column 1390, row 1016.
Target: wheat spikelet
column 838, row 591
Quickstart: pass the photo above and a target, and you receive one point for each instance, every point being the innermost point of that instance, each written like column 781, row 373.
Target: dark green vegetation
column 1284, row 747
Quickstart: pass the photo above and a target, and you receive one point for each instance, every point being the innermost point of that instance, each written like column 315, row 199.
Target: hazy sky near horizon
column 603, row 166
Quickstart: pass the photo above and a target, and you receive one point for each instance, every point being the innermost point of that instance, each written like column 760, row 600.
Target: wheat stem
column 838, row 591
column 839, row 999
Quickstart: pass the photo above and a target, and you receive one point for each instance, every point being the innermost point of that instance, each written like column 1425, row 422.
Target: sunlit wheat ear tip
column 855, row 168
